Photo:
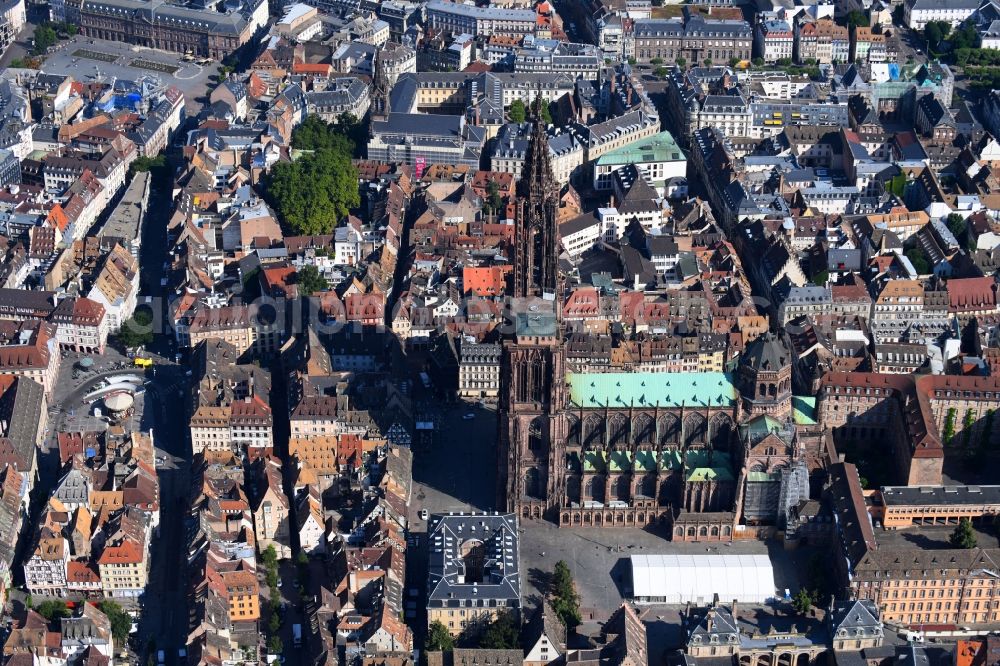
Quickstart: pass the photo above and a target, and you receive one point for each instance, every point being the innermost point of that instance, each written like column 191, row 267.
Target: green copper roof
column 671, row 459
column 804, row 410
column 705, row 465
column 761, row 426
column 593, row 461
column 620, row 461
column 657, row 148
column 709, row 474
column 651, row 389
column 762, row 477
column 645, row 461
column 706, row 458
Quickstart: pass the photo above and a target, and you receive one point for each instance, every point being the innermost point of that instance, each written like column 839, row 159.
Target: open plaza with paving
column 91, row 60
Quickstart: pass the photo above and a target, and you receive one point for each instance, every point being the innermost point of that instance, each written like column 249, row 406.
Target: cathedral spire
column 380, row 88
column 536, row 233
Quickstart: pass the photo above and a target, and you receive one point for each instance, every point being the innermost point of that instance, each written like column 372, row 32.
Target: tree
column 274, row 645
column 53, row 609
column 734, row 61
column 661, row 72
column 963, row 536
column 143, row 163
column 502, row 633
column 919, row 261
column 656, row 61
column 517, row 111
column 269, row 557
column 681, row 62
column 948, row 432
column 302, row 558
column 138, row 330
column 820, row 278
column 45, row 38
column 544, row 113
column 314, row 192
column 957, row 226
column 802, row 601
column 565, row 601
column 707, row 62
column 121, row 623
column 936, row 32
column 758, row 62
column 856, row 18
column 311, row 280
column 316, row 134
column 968, row 423
column 493, row 199
column 438, row 638
column 274, row 623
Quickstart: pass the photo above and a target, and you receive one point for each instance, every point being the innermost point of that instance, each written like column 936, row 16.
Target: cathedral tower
column 531, row 441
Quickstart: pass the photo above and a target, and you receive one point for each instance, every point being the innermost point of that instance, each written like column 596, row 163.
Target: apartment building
column 823, row 41
column 45, row 569
column 30, row 349
column 774, row 40
column 123, row 569
column 479, row 370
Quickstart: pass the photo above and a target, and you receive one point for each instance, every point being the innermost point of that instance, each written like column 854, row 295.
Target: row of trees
column 518, row 112
column 48, row 33
column 269, row 558
column 941, row 40
column 317, row 190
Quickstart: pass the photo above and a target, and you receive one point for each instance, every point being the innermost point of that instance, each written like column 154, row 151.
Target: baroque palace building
column 632, row 449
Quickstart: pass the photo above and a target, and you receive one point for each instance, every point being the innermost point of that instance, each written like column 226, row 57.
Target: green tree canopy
column 45, row 38
column 957, row 226
column 963, row 536
column 517, row 112
column 565, row 601
column 138, row 330
column 316, row 134
column 545, row 113
column 274, row 645
column 121, row 623
column 502, row 633
column 919, row 260
column 314, row 192
column 856, row 18
column 802, row 601
column 936, row 32
column 53, row 609
column 311, row 281
column 438, row 638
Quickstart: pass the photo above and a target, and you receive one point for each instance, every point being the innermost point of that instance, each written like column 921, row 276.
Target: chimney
column 628, row 97
column 709, row 620
column 735, row 611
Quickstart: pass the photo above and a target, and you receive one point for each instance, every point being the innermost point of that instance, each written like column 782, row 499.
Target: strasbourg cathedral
column 705, row 454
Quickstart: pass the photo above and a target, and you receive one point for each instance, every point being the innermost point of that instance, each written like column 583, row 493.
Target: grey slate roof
column 501, row 582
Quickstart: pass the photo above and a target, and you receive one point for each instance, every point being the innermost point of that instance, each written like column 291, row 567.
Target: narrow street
column 164, row 623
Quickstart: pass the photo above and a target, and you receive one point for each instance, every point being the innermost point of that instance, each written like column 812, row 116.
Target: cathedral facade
column 625, row 449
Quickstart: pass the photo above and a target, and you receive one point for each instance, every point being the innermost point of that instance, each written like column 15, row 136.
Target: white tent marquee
column 679, row 579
